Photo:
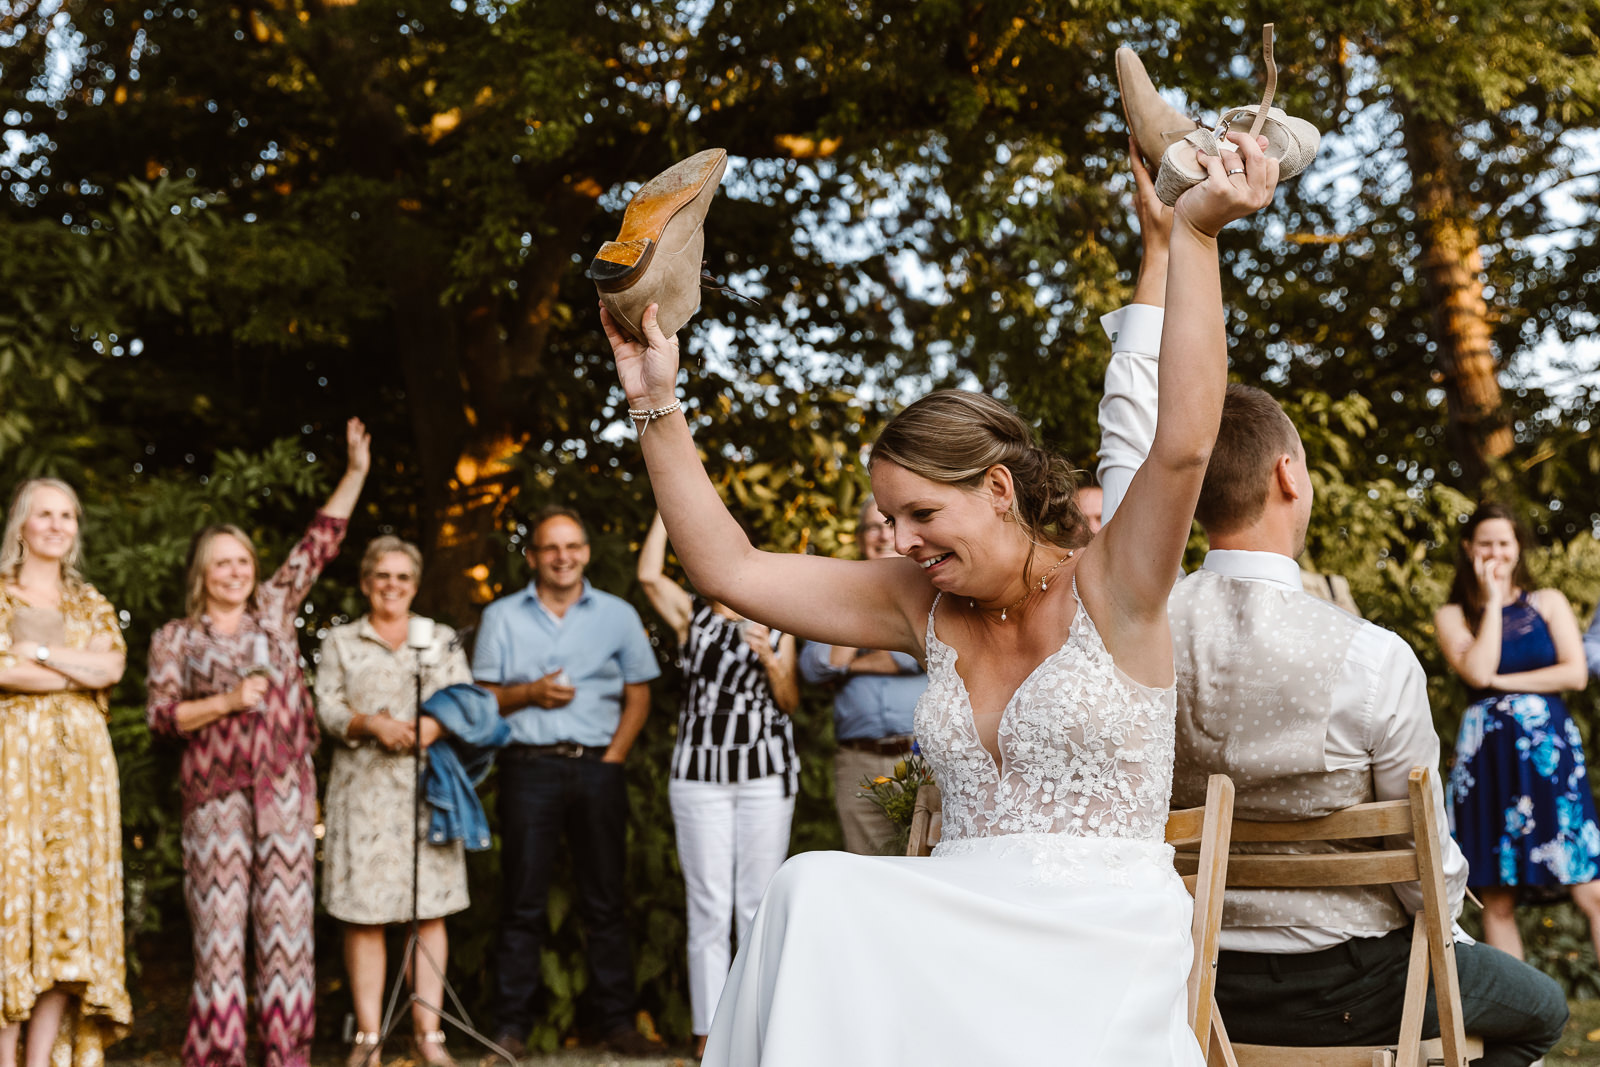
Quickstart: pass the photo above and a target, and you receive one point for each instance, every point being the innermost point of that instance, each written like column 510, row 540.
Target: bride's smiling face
column 954, row 534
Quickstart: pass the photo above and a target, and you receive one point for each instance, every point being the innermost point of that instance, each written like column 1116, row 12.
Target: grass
column 1575, row 1050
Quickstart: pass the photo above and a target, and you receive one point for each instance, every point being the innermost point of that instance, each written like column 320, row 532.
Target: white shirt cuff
column 1135, row 329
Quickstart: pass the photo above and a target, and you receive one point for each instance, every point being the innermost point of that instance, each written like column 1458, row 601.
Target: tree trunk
column 1453, row 267
column 468, row 371
column 462, row 499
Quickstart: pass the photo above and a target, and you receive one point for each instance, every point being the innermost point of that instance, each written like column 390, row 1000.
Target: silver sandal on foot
column 365, row 1050
column 432, row 1039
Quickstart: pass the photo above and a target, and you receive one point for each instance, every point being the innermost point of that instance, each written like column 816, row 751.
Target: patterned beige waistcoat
column 1257, row 667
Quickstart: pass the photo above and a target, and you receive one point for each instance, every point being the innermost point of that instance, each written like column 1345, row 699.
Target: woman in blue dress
column 1520, row 804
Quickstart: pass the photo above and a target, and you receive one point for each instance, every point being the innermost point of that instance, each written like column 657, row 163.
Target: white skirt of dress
column 1024, row 948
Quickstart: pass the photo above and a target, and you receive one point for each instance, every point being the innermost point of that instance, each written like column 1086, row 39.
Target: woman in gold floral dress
column 61, row 650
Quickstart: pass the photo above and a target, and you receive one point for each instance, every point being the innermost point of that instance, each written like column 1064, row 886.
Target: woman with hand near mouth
column 226, row 680
column 1050, row 917
column 1520, row 803
column 61, row 651
column 367, row 699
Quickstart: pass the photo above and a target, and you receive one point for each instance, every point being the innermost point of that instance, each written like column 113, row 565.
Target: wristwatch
column 42, row 653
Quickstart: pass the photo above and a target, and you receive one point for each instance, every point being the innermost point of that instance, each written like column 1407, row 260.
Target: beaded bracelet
column 643, row 417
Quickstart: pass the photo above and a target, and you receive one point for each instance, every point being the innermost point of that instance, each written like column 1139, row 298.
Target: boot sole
column 647, row 222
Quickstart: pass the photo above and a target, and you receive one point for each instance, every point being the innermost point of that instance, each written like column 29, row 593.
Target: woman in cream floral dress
column 366, row 698
column 61, row 651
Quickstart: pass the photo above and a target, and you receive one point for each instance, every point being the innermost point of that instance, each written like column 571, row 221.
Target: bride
column 1049, row 926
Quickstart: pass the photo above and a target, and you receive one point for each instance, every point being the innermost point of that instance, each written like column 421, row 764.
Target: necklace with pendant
column 1044, row 583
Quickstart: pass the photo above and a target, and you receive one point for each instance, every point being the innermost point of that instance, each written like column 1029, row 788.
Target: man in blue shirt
column 877, row 692
column 570, row 666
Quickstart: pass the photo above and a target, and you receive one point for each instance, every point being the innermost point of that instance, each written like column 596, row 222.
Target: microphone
column 419, row 637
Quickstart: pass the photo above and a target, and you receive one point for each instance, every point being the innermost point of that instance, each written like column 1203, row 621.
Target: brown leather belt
column 879, row 746
column 561, row 750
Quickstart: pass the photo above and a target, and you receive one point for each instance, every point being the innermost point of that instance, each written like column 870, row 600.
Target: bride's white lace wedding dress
column 1049, row 926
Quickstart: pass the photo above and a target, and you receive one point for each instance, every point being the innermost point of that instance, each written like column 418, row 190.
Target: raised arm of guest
column 279, row 597
column 671, row 601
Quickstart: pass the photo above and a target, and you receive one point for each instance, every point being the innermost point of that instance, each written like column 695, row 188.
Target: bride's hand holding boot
column 648, row 370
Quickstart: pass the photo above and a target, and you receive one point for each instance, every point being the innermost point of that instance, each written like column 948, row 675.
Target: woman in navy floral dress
column 1520, row 804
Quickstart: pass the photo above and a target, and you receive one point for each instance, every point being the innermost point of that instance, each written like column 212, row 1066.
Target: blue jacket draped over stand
column 470, row 716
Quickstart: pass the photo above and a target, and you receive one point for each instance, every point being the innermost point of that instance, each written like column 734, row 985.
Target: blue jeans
column 542, row 800
column 1352, row 995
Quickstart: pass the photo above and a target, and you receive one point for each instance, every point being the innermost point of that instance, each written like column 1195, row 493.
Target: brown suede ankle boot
column 1154, row 123
column 656, row 258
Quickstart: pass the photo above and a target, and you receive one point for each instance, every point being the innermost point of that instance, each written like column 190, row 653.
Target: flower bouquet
column 896, row 794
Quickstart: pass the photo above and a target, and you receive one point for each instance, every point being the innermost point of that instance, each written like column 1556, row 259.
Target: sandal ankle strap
column 364, row 1037
column 431, row 1037
column 1272, row 79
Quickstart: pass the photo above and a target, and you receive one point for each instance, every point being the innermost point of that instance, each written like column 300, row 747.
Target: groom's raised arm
column 1128, row 409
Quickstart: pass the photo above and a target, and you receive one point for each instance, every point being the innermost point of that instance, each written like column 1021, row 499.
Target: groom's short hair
column 1254, row 433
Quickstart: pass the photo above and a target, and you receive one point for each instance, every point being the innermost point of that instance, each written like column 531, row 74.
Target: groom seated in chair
column 1309, row 709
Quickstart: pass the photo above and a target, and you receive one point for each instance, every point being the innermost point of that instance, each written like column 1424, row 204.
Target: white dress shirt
column 1381, row 718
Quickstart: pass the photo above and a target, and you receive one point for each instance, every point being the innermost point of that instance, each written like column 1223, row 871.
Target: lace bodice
column 1085, row 750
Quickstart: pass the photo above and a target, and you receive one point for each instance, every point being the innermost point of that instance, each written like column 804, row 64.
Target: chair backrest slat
column 1184, row 827
column 1251, row 871
column 1379, row 819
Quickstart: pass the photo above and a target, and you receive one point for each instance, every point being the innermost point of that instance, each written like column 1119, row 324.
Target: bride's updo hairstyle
column 954, row 437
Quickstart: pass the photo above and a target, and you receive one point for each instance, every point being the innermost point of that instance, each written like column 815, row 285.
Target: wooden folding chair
column 1203, row 834
column 927, row 819
column 1431, row 949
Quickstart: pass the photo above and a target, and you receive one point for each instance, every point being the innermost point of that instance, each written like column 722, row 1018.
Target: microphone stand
column 419, row 638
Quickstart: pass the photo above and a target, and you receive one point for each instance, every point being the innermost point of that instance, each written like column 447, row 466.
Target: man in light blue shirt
column 571, row 668
column 872, row 708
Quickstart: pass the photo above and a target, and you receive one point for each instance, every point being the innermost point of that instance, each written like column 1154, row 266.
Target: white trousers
column 732, row 838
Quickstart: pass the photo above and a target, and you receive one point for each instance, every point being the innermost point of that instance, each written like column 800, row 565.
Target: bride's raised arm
column 860, row 604
column 1128, row 571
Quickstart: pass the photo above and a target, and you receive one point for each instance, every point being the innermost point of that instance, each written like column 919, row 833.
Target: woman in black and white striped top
column 734, row 770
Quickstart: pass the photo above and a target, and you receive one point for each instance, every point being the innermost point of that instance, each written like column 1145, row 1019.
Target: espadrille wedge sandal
column 1292, row 142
